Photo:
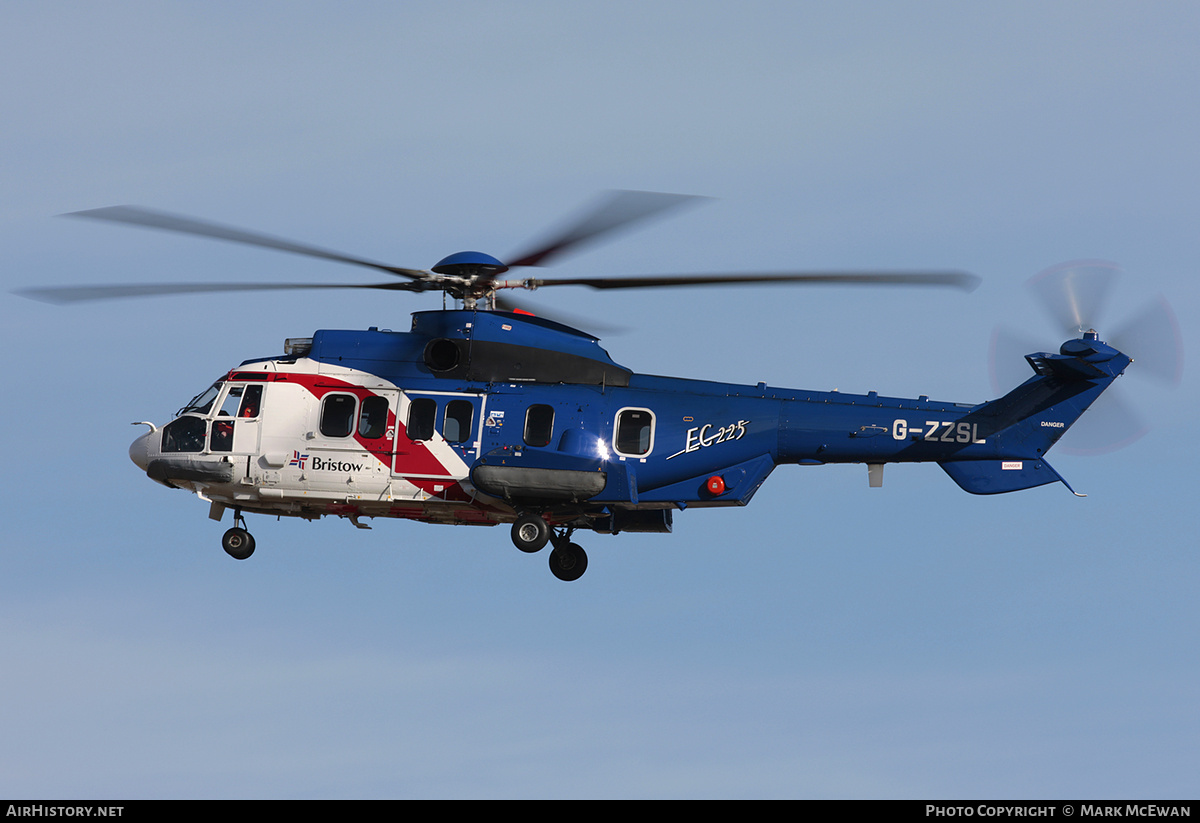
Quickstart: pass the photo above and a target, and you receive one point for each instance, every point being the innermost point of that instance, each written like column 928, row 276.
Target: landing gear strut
column 237, row 542
column 531, row 532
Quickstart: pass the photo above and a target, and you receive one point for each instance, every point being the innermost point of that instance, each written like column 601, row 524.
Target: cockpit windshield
column 202, row 403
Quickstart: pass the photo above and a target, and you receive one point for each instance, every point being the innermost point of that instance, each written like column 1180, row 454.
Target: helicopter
column 486, row 414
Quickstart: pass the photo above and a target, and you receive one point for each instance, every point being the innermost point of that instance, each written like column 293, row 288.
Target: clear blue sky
column 829, row 640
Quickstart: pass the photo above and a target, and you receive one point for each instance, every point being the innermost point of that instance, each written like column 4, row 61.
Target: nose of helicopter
column 138, row 451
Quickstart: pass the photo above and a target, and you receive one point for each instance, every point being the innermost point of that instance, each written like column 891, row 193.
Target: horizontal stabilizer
column 1065, row 368
column 1000, row 476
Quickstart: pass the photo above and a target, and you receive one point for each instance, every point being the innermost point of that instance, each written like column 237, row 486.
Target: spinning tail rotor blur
column 1075, row 296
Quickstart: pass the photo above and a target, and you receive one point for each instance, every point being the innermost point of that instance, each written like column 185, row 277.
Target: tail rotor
column 1075, row 296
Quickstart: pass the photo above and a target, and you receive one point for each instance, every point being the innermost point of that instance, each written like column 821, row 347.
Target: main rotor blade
column 952, row 279
column 616, row 210
column 81, row 294
column 146, row 218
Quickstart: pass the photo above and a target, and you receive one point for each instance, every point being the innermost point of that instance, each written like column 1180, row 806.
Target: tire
column 238, row 543
column 568, row 562
column 530, row 533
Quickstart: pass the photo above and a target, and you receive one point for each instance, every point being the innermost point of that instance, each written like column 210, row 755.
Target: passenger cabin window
column 539, row 425
column 456, row 427
column 372, row 417
column 421, row 416
column 337, row 415
column 635, row 432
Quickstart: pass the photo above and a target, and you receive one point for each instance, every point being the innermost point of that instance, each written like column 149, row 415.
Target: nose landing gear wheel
column 530, row 533
column 238, row 543
column 568, row 562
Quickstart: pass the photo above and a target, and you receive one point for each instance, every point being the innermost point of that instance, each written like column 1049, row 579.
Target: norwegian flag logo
column 298, row 460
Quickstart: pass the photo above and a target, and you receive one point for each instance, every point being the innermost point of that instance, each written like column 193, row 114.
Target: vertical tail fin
column 1024, row 424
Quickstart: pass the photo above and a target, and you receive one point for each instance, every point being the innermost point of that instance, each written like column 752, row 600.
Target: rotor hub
column 470, row 265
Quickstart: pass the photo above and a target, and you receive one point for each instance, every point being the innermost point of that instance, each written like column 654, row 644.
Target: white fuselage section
column 306, row 438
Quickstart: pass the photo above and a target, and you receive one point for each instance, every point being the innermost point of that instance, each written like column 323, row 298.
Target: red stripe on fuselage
column 412, row 456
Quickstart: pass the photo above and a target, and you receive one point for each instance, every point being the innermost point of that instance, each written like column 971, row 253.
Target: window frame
column 415, row 404
column 250, row 391
column 465, row 431
column 351, row 419
column 617, row 431
column 185, row 430
column 525, row 432
column 361, row 419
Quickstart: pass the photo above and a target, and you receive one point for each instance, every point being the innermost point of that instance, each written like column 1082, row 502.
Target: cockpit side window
column 184, row 435
column 220, row 437
column 201, row 403
column 337, row 415
column 251, row 402
column 233, row 399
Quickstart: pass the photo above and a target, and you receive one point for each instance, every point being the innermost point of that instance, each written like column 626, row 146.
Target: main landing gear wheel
column 530, row 533
column 238, row 543
column 568, row 562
